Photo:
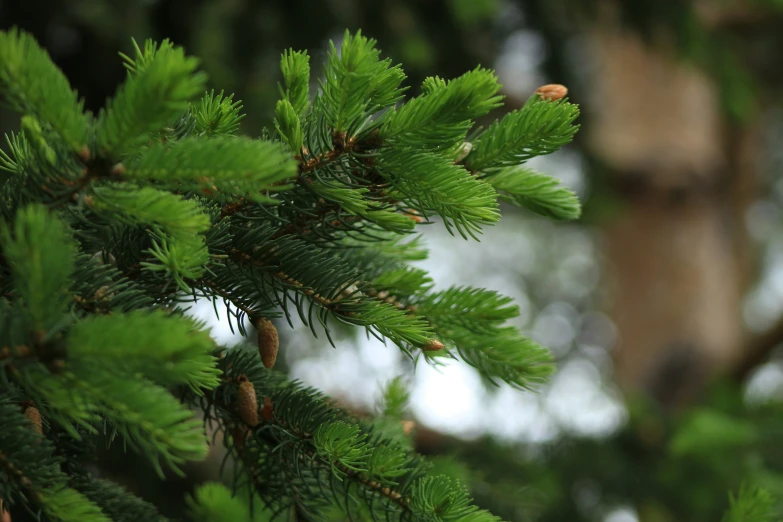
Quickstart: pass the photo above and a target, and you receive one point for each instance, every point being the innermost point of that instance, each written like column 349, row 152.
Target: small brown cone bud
column 350, row 291
column 118, row 170
column 268, row 342
column 433, row 345
column 407, row 426
column 84, row 154
column 266, row 411
column 416, row 218
column 552, row 92
column 103, row 294
column 247, row 404
column 34, row 416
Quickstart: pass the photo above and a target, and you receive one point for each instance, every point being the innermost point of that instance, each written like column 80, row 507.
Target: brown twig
column 384, row 296
column 758, row 351
column 240, row 256
column 341, row 146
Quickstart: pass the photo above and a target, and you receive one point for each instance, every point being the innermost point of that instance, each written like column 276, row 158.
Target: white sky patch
column 449, row 398
column 625, row 514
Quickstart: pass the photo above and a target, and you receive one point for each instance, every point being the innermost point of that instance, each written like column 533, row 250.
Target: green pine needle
column 537, row 192
column 170, row 350
column 540, row 127
column 220, row 167
column 31, row 83
column 157, row 91
column 40, row 252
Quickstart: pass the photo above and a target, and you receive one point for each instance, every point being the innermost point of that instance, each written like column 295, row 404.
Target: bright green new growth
column 111, row 226
column 537, row 192
column 540, row 128
column 162, row 81
column 440, row 118
column 32, row 84
column 176, row 216
column 40, row 277
column 295, row 66
column 220, row 167
column 288, row 125
column 176, row 347
column 217, row 115
column 751, row 504
column 358, row 83
column 431, row 183
column 214, row 502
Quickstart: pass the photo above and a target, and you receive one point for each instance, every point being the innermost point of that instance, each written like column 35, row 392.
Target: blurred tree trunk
column 677, row 252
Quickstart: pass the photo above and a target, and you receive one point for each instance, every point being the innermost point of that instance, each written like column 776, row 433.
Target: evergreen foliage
column 112, row 225
column 750, row 505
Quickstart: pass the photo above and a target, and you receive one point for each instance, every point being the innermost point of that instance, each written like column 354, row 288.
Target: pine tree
column 113, row 223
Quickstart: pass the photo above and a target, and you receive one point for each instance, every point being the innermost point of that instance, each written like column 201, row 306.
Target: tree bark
column 677, row 252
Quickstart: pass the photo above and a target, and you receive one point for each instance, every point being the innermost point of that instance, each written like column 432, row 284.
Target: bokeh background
column 663, row 304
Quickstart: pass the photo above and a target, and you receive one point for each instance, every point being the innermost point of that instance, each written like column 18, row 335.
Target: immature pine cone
column 433, row 345
column 552, row 92
column 268, row 341
column 247, row 404
column 34, row 416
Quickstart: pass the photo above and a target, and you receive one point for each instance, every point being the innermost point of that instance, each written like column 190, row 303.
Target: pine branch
column 428, row 182
column 139, row 206
column 27, row 461
column 295, row 66
column 536, row 192
column 313, row 457
column 118, row 504
column 170, row 206
column 229, row 165
column 227, row 295
column 31, row 83
column 357, row 84
column 170, row 350
column 77, row 457
column 314, row 162
column 440, row 118
column 40, row 253
column 751, row 504
column 217, row 115
column 303, row 434
column 214, row 502
column 159, row 85
column 539, row 128
column 387, row 320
